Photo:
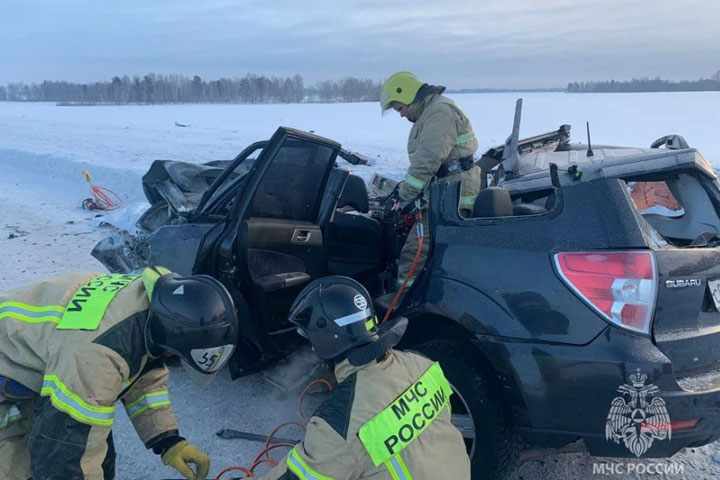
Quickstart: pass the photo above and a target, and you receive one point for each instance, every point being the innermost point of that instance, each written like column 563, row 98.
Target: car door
column 275, row 244
column 179, row 246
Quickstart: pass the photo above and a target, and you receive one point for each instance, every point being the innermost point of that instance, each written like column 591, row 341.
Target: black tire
column 492, row 443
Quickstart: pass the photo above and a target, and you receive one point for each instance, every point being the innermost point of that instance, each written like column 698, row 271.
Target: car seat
column 354, row 238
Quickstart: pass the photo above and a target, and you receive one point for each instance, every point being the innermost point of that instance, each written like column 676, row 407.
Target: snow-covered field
column 117, row 143
column 43, row 230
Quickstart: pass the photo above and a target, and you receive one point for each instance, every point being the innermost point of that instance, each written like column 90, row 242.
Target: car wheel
column 483, row 419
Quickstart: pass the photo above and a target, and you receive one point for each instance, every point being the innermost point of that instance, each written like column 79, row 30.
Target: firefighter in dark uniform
column 73, row 345
column 389, row 417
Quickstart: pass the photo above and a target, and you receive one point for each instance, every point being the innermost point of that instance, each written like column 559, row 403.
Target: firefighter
column 440, row 148
column 73, row 345
column 389, row 417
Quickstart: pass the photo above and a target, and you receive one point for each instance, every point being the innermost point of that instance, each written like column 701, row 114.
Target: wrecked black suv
column 580, row 304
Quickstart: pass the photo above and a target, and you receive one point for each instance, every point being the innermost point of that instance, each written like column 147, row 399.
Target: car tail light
column 620, row 286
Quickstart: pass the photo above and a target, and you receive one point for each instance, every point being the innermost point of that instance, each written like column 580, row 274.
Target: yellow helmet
column 401, row 87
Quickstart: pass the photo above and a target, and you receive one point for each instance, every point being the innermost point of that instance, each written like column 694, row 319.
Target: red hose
column 102, row 197
column 305, row 391
column 398, row 294
column 272, row 446
column 105, row 199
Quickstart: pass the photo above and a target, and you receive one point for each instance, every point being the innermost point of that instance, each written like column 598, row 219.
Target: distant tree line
column 161, row 89
column 647, row 85
column 505, row 90
column 348, row 89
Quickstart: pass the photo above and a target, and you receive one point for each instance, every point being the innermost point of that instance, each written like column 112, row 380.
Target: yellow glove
column 181, row 454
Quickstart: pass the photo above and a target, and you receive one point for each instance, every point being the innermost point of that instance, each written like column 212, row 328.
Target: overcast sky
column 458, row 43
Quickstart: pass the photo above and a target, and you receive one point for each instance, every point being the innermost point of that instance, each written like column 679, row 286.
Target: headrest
column 493, row 202
column 354, row 194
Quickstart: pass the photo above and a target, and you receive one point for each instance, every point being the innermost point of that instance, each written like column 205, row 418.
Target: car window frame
column 209, row 199
column 267, row 157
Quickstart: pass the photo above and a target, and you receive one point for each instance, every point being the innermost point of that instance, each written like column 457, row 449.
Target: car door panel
column 170, row 244
column 279, row 246
column 274, row 236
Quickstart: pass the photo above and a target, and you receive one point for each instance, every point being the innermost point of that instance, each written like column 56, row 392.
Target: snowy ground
column 43, row 230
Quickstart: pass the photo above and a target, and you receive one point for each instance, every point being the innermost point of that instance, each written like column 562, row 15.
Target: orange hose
column 304, row 392
column 103, row 195
column 265, row 450
column 269, row 461
column 103, row 199
column 271, row 446
column 277, row 429
column 405, row 282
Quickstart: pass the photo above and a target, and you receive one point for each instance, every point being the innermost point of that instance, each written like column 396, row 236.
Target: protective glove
column 181, row 455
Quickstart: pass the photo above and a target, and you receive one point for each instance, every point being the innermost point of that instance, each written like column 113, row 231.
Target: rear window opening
column 679, row 209
column 655, row 198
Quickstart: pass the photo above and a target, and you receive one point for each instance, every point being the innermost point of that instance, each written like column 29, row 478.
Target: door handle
column 302, row 236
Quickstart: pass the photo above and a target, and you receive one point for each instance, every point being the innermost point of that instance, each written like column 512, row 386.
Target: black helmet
column 336, row 315
column 192, row 317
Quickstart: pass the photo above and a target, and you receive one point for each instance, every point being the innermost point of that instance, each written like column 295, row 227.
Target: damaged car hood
column 180, row 184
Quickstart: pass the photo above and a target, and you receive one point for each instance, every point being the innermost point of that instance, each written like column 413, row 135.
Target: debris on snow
column 16, row 232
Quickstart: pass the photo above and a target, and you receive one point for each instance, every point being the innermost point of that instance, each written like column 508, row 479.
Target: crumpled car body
column 492, row 300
